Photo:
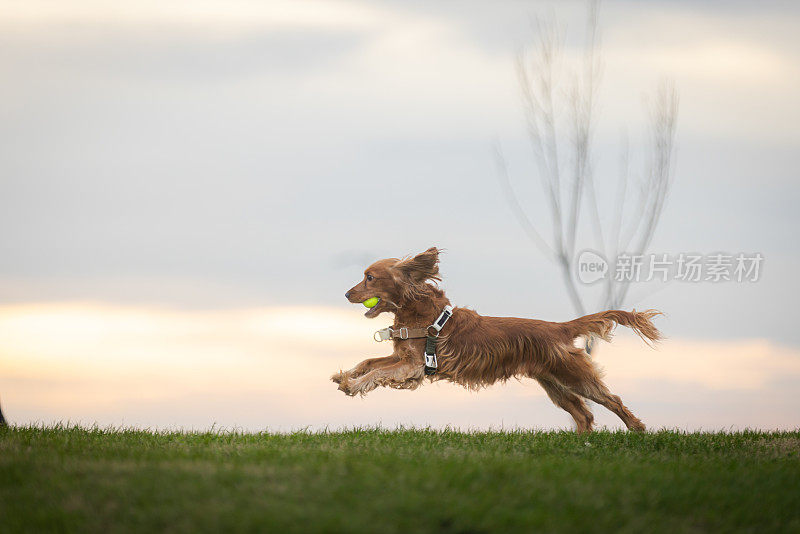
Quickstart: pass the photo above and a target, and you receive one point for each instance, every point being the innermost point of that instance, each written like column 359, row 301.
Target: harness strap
column 403, row 332
column 431, row 363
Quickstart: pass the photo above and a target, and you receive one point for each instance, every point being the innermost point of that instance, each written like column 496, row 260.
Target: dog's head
column 396, row 281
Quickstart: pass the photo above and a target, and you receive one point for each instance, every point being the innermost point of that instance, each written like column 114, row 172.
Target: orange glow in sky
column 269, row 368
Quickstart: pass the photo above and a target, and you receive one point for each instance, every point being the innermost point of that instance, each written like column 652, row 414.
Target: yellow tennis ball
column 371, row 303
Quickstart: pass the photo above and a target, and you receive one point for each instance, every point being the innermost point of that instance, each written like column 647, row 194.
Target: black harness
column 431, row 363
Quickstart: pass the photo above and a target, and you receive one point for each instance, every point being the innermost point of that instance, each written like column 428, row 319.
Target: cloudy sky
column 188, row 188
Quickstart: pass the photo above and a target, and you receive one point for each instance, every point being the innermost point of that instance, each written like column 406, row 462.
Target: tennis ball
column 371, row 303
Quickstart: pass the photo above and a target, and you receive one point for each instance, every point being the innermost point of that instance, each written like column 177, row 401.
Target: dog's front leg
column 363, row 368
column 403, row 374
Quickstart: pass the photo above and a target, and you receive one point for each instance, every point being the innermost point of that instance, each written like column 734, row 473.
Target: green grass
column 72, row 479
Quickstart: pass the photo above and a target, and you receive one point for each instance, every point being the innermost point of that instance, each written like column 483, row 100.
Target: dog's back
column 480, row 350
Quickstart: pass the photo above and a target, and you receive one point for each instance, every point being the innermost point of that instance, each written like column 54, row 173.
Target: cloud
column 232, row 15
column 737, row 365
column 220, row 154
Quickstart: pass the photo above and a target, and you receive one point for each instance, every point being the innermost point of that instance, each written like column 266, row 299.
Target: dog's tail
column 603, row 323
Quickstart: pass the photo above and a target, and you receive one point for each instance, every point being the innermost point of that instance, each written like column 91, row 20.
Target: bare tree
column 560, row 119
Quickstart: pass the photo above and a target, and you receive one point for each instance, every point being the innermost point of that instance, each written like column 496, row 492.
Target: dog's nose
column 347, row 295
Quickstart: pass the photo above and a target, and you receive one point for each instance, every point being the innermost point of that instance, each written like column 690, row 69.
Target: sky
column 187, row 189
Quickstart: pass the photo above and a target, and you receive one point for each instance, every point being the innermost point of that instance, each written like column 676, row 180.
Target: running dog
column 432, row 339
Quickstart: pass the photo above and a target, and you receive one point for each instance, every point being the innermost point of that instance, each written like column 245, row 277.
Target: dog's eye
column 369, row 278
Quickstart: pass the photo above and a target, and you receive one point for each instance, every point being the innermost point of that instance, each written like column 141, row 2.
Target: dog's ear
column 424, row 266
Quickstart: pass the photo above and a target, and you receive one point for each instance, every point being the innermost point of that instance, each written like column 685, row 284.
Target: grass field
column 71, row 479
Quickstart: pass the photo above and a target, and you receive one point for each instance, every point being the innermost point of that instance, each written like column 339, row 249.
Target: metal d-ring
column 383, row 334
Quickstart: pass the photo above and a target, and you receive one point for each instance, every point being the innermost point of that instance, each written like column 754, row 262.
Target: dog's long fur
column 477, row 351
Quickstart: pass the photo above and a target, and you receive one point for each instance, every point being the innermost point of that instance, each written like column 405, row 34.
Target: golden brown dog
column 476, row 351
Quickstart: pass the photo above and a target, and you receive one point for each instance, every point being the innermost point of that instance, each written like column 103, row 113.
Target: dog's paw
column 346, row 386
column 337, row 378
column 638, row 426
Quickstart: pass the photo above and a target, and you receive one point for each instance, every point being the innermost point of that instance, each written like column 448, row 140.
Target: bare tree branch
column 519, row 213
column 664, row 115
column 568, row 193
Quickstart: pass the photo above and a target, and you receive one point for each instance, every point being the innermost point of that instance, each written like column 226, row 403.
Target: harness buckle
column 403, row 332
column 384, row 334
column 440, row 321
column 431, row 365
column 431, row 362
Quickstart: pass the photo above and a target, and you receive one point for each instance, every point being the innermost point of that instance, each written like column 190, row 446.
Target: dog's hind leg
column 567, row 400
column 577, row 373
column 614, row 403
